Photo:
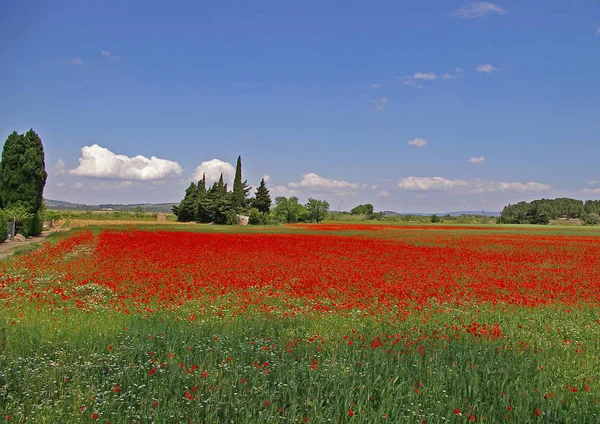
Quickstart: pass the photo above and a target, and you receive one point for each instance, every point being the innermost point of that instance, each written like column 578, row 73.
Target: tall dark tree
column 23, row 172
column 186, row 211
column 221, row 186
column 262, row 201
column 201, row 187
column 240, row 189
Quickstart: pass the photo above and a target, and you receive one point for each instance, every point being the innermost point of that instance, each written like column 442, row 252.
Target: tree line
column 218, row 205
column 22, row 180
column 543, row 210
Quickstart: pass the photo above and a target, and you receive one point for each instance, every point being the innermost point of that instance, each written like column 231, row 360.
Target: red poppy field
column 310, row 323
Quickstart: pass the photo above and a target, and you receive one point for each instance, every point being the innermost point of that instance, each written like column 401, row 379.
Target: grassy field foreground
column 303, row 324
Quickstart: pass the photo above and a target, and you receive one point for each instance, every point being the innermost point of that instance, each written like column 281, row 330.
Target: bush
column 435, row 218
column 35, row 225
column 3, row 226
column 591, row 219
column 258, row 218
column 254, row 218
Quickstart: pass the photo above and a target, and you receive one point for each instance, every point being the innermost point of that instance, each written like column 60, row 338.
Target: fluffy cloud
column 592, row 190
column 425, row 76
column 383, row 193
column 99, row 162
column 418, row 142
column 282, row 191
column 313, row 181
column 78, row 185
column 374, row 186
column 109, row 55
column 592, row 182
column 267, row 178
column 598, row 29
column 476, row 186
column 477, row 161
column 486, row 68
column 419, row 76
column 478, row 9
column 59, row 168
column 76, row 61
column 213, row 169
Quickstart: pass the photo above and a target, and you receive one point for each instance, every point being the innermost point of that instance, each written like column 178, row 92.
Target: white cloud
column 412, row 82
column 486, row 68
column 425, row 76
column 374, row 186
column 76, row 61
column 592, row 182
column 213, row 169
column 282, row 191
column 99, row 162
column 598, row 29
column 78, row 185
column 477, row 9
column 383, row 193
column 477, row 161
column 267, row 178
column 459, row 74
column 312, row 180
column 59, row 168
column 61, row 185
column 476, row 186
column 380, row 104
column 374, row 85
column 592, row 190
column 109, row 55
column 418, row 142
column 108, row 186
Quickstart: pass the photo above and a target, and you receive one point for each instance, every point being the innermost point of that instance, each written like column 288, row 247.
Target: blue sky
column 412, row 106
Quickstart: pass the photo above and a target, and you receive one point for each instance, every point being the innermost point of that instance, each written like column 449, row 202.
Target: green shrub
column 3, row 226
column 590, row 219
column 35, row 225
column 254, row 217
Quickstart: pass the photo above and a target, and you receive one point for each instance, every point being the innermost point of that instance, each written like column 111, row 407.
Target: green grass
column 54, row 364
column 62, row 364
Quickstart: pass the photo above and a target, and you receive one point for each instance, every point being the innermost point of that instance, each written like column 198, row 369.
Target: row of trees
column 543, row 210
column 22, row 180
column 219, row 205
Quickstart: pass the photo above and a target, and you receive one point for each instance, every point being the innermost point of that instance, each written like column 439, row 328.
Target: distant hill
column 455, row 213
column 146, row 207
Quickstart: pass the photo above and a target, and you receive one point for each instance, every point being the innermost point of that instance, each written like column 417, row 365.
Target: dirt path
column 7, row 248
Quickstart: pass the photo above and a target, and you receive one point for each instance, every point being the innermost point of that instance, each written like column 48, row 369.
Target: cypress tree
column 202, row 186
column 22, row 172
column 240, row 189
column 262, row 201
column 221, row 186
